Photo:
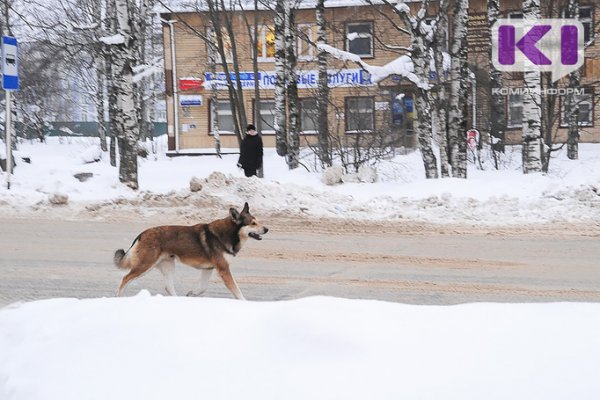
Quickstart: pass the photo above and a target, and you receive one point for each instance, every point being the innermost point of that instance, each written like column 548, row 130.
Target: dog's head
column 249, row 226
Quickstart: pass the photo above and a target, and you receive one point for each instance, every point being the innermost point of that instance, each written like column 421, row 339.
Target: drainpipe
column 174, row 80
column 474, row 102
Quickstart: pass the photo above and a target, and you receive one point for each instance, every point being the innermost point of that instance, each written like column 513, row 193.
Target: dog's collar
column 225, row 248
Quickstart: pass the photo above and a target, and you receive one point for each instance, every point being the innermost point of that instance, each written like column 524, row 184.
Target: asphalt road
column 51, row 258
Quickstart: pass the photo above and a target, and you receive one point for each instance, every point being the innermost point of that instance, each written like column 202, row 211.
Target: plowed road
column 419, row 264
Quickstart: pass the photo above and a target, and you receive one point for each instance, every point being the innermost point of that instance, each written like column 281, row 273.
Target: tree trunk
column 99, row 13
column 458, row 89
column 239, row 92
column 532, row 100
column 100, row 104
column 323, row 88
column 257, row 106
column 110, row 25
column 572, row 107
column 420, row 56
column 440, row 100
column 216, row 11
column 291, row 38
column 214, row 104
column 280, row 114
column 497, row 116
column 126, row 117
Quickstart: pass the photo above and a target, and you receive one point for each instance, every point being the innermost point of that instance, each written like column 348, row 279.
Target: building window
column 586, row 17
column 515, row 111
column 309, row 115
column 586, row 109
column 226, row 44
column 266, row 43
column 359, row 38
column 307, row 37
column 224, row 117
column 359, row 114
column 267, row 116
column 515, row 15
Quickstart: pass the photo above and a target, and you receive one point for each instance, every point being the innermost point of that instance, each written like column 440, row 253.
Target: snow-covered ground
column 152, row 347
column 568, row 193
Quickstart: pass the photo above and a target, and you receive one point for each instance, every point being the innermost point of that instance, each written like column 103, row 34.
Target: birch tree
column 280, row 72
column 126, row 121
column 421, row 40
column 440, row 98
column 458, row 87
column 291, row 76
column 497, row 118
column 571, row 106
column 532, row 99
column 324, row 152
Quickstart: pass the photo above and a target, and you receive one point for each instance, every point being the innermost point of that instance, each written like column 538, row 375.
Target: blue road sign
column 10, row 64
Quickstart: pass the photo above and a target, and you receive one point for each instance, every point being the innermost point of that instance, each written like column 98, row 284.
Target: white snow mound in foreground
column 147, row 347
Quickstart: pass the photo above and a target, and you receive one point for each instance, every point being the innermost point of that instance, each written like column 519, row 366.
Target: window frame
column 301, row 109
column 346, row 113
column 587, row 20
column 372, row 37
column 508, row 109
column 584, row 124
column 311, row 56
column 262, row 41
column 229, row 56
column 211, row 118
column 264, row 131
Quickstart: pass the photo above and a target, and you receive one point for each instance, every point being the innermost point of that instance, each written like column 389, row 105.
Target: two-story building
column 357, row 104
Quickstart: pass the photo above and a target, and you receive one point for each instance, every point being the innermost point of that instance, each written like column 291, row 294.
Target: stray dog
column 202, row 246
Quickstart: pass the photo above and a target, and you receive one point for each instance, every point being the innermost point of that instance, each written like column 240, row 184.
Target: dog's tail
column 121, row 257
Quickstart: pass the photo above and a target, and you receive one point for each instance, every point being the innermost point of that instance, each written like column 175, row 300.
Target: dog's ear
column 235, row 215
column 246, row 208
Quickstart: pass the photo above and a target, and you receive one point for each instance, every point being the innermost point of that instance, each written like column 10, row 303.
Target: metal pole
column 8, row 133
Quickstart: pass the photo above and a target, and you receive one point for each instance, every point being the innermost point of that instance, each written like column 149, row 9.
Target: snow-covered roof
column 182, row 6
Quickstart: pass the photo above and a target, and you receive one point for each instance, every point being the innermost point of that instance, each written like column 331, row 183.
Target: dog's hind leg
column 204, row 279
column 167, row 267
column 134, row 273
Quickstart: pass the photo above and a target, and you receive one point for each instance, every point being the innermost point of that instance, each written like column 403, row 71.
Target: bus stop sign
column 10, row 64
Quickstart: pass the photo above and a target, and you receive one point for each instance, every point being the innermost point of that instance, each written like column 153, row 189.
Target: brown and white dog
column 201, row 246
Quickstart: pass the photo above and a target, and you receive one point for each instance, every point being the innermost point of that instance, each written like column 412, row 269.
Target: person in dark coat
column 251, row 152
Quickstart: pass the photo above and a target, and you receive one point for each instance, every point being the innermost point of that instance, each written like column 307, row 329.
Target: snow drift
column 152, row 347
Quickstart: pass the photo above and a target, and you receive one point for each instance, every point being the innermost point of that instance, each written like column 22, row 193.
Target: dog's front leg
column 223, row 268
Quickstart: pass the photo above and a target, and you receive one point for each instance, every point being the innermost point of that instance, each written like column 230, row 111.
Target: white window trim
column 228, row 56
column 301, row 43
column 222, row 112
column 361, row 36
column 262, row 40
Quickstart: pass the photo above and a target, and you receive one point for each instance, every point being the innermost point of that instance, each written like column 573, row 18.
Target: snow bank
column 147, row 347
column 569, row 193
